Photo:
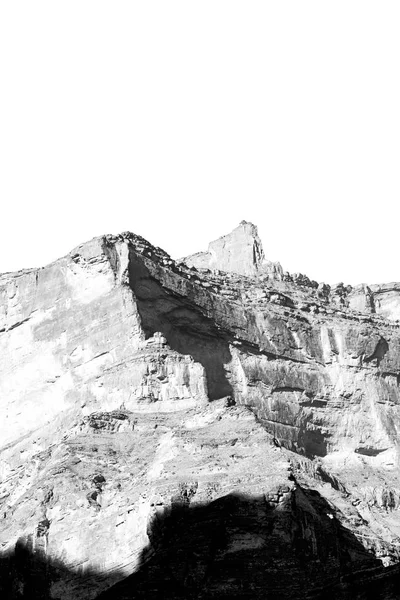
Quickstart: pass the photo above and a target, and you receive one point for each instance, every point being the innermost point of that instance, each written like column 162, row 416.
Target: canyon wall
column 137, row 392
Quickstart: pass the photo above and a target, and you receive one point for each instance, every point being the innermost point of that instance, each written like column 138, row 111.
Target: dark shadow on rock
column 381, row 349
column 306, row 441
column 186, row 328
column 241, row 547
column 313, row 441
column 26, row 573
column 247, row 547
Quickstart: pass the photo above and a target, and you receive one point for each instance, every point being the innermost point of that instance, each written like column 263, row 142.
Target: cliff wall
column 131, row 384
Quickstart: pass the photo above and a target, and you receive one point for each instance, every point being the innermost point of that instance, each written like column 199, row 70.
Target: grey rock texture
column 239, row 252
column 379, row 299
column 181, row 431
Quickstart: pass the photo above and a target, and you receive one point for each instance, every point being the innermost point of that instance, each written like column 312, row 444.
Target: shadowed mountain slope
column 246, row 547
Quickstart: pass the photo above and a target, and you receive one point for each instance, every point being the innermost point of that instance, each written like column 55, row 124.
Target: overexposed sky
column 178, row 119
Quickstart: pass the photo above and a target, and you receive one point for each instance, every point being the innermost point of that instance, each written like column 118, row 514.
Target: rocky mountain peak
column 239, row 252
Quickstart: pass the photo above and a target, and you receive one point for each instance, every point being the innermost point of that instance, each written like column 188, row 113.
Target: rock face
column 213, row 428
column 377, row 299
column 238, row 252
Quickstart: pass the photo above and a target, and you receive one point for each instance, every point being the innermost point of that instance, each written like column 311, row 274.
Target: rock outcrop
column 379, row 299
column 239, row 252
column 213, row 428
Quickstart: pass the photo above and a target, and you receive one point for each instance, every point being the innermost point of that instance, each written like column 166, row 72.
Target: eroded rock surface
column 213, row 428
column 239, row 252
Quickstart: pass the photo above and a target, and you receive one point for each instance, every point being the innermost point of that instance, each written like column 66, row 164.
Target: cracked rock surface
column 209, row 428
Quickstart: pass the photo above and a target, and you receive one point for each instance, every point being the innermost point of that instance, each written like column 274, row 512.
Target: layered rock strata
column 257, row 412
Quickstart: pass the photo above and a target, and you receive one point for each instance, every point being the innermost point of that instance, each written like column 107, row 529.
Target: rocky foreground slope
column 209, row 428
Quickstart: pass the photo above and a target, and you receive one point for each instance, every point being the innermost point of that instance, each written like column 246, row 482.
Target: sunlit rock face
column 239, row 252
column 163, row 423
column 377, row 299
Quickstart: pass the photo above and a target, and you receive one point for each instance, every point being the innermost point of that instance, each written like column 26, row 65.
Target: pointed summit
column 239, row 252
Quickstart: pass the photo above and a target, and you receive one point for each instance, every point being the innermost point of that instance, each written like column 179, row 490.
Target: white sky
column 176, row 120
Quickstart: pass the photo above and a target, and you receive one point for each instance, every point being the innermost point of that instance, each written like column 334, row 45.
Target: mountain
column 208, row 428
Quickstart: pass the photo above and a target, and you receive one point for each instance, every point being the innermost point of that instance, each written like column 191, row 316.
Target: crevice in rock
column 327, row 477
column 186, row 328
column 381, row 348
column 285, row 388
column 17, row 324
column 369, row 451
column 111, row 252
